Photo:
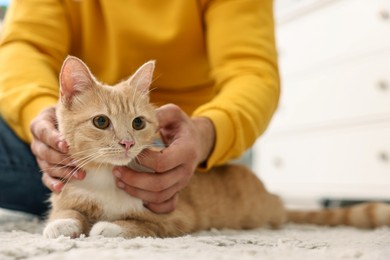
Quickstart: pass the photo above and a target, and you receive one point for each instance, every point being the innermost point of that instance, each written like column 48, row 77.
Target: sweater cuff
column 224, row 136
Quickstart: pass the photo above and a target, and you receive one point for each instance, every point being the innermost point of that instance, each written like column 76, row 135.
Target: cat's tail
column 365, row 215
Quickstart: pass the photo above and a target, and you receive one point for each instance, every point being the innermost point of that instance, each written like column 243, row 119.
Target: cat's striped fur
column 364, row 215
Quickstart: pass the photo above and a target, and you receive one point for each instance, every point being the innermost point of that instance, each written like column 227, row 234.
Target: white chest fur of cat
column 98, row 187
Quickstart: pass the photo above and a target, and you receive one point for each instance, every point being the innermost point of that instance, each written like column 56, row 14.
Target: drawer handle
column 384, row 14
column 383, row 85
column 384, row 157
column 277, row 162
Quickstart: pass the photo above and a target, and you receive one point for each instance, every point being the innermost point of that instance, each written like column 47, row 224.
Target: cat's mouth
column 126, row 155
column 124, row 158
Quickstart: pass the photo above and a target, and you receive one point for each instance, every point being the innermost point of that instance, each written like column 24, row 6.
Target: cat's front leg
column 126, row 229
column 63, row 227
column 106, row 229
column 69, row 223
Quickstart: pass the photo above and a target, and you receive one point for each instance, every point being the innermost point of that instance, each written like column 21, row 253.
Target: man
column 216, row 61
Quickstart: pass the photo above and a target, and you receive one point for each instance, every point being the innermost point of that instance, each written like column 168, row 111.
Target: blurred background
column 3, row 8
column 330, row 138
column 329, row 141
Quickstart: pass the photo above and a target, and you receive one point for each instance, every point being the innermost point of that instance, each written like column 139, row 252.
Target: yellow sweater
column 215, row 58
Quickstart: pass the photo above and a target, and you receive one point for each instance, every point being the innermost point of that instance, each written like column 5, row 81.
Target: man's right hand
column 50, row 150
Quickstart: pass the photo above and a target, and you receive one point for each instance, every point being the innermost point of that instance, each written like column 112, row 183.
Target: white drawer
column 345, row 159
column 354, row 91
column 291, row 9
column 338, row 31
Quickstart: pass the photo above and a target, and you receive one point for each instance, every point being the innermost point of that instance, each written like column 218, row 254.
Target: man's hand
column 189, row 142
column 51, row 150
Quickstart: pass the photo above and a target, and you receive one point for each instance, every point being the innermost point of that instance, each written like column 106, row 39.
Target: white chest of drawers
column 330, row 137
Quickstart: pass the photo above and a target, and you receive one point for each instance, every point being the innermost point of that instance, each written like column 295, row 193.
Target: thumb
column 168, row 115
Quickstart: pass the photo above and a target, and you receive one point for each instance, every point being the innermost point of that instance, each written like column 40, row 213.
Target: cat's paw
column 106, row 229
column 62, row 227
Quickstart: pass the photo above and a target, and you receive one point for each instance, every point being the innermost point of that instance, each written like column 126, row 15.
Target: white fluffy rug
column 20, row 238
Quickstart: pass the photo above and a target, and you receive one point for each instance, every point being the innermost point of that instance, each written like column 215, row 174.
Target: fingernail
column 76, row 175
column 62, row 146
column 57, row 185
column 73, row 162
column 79, row 175
column 121, row 185
column 117, row 174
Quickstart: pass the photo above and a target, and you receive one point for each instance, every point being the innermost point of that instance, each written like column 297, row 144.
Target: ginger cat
column 107, row 126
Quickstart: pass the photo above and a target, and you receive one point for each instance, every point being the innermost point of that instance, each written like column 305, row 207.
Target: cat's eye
column 139, row 123
column 101, row 122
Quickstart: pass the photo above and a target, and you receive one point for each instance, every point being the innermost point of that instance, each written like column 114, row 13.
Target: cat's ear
column 142, row 78
column 75, row 77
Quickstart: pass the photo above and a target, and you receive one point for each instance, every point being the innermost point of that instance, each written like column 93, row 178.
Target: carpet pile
column 20, row 238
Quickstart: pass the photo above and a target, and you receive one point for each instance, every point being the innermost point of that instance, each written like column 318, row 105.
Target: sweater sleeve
column 242, row 53
column 34, row 41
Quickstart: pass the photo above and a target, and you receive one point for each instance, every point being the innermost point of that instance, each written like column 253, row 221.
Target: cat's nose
column 127, row 144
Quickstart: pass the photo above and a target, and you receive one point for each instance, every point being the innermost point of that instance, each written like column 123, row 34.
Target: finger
column 52, row 183
column 44, row 152
column 147, row 181
column 45, row 130
column 60, row 171
column 148, row 196
column 165, row 207
column 169, row 158
column 168, row 114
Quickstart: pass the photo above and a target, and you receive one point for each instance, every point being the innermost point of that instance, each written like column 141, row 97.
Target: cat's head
column 105, row 124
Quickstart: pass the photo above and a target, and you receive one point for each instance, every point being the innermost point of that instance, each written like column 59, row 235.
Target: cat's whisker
column 58, row 167
column 136, row 90
column 134, row 95
column 139, row 100
column 143, row 155
column 80, row 159
column 147, row 93
column 68, row 177
column 80, row 162
column 136, row 104
column 61, row 165
column 71, row 173
column 154, row 80
column 85, row 161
